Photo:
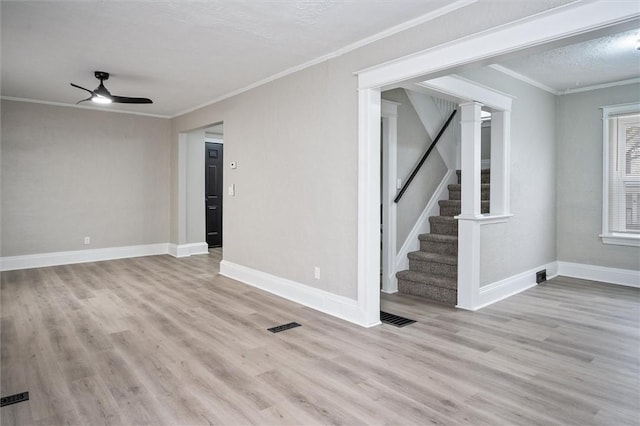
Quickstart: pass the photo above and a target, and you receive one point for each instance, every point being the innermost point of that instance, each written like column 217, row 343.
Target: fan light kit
column 101, row 95
column 100, row 99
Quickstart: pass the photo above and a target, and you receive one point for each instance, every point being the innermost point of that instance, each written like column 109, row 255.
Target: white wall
column 413, row 142
column 68, row 173
column 580, row 179
column 296, row 143
column 528, row 239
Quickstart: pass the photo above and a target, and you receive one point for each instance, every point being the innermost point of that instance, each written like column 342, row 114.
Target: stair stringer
column 412, row 243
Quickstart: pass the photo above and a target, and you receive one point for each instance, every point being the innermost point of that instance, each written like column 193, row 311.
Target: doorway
column 193, row 195
column 213, row 193
column 554, row 28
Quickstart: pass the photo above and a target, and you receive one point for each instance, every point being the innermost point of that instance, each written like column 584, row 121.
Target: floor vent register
column 395, row 320
column 14, row 399
column 284, row 327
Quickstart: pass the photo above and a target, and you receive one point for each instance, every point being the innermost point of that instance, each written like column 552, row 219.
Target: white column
column 389, row 208
column 369, row 206
column 468, row 264
column 468, row 225
column 500, row 153
column 470, row 159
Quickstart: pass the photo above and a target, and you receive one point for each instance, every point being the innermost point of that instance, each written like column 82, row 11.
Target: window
column 621, row 167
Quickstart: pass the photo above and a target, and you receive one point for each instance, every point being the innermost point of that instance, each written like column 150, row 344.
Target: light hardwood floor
column 165, row 341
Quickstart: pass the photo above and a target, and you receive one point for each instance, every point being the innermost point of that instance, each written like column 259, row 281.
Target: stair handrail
column 424, row 157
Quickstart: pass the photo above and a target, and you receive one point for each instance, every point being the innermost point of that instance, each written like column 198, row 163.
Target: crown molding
column 546, row 88
column 459, row 4
column 600, row 86
column 524, row 78
column 358, row 44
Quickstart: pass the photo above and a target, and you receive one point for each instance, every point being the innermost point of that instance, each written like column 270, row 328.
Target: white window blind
column 621, row 189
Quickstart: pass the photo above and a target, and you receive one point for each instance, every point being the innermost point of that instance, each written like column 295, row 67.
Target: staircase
column 433, row 270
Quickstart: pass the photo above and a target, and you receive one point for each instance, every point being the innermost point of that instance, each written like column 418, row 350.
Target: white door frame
column 389, row 112
column 561, row 23
column 185, row 248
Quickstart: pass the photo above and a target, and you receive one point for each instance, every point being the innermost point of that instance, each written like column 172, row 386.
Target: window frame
column 608, row 236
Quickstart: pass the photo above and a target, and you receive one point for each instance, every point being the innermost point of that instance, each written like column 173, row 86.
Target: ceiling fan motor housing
column 101, row 75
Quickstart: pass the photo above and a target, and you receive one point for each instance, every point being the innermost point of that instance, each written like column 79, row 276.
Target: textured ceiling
column 598, row 61
column 182, row 54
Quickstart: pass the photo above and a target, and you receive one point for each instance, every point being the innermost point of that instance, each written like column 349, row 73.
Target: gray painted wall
column 296, row 143
column 68, row 173
column 528, row 239
column 413, row 141
column 580, row 179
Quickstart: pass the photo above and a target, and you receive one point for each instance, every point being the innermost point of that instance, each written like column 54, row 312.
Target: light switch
column 399, row 184
column 232, row 190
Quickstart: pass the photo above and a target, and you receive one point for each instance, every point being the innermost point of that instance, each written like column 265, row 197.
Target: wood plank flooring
column 165, row 341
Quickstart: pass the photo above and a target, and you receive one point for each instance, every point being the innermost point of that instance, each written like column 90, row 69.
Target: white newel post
column 470, row 159
column 468, row 225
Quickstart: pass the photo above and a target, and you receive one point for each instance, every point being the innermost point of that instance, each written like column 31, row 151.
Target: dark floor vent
column 14, row 399
column 396, row 320
column 541, row 276
column 283, row 327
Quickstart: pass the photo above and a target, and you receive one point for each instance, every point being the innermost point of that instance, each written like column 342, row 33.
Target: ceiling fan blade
column 84, row 100
column 80, row 87
column 127, row 100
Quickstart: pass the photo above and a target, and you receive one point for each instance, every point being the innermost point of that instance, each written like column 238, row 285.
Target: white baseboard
column 411, row 243
column 502, row 289
column 626, row 277
column 320, row 300
column 11, row 263
column 515, row 284
column 185, row 250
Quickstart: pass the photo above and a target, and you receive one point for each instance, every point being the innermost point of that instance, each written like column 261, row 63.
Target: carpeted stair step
column 455, row 191
column 454, row 207
column 446, row 225
column 439, row 243
column 433, row 270
column 433, row 263
column 440, row 289
column 485, row 176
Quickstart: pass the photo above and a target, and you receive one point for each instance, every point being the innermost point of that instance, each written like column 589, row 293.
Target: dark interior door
column 213, row 193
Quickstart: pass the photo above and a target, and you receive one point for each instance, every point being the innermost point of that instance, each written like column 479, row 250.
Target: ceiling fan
column 102, row 96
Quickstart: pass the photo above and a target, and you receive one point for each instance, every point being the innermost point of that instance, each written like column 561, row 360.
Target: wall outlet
column 541, row 276
column 87, row 241
column 316, row 273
